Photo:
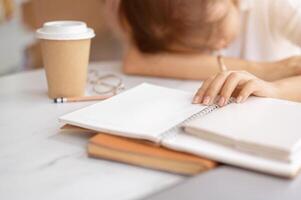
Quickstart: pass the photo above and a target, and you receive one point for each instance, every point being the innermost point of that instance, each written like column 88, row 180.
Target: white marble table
column 39, row 162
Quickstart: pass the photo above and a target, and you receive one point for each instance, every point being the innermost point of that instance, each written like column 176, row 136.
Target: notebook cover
column 68, row 127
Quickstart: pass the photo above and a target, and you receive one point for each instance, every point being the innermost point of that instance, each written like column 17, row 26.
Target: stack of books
column 142, row 153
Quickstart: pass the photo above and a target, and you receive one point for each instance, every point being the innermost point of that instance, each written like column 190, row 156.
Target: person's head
column 179, row 25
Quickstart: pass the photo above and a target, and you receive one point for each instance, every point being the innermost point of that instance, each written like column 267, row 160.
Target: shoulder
column 270, row 5
column 284, row 11
column 292, row 3
column 285, row 19
column 282, row 6
column 276, row 12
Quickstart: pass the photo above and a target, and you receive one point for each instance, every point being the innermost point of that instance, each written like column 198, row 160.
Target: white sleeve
column 286, row 19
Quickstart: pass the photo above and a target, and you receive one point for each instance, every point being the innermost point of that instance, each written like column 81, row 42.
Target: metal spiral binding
column 173, row 131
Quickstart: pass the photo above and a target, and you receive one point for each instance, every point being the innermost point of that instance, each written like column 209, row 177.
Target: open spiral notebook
column 261, row 134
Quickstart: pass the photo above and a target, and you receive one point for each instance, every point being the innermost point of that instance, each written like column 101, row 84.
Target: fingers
column 198, row 97
column 213, row 88
column 224, row 84
column 229, row 87
column 210, row 88
column 249, row 88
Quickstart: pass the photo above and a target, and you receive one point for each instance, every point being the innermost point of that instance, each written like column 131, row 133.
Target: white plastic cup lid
column 65, row 30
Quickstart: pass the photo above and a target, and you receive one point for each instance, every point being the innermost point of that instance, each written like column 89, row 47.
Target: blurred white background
column 14, row 38
column 19, row 50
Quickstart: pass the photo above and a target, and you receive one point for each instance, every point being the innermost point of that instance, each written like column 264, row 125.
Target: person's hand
column 225, row 84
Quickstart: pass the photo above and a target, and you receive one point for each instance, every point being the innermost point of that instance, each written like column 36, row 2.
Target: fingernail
column 206, row 100
column 239, row 99
column 221, row 101
column 196, row 100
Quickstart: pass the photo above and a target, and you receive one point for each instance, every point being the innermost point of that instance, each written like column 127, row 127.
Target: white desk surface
column 39, row 162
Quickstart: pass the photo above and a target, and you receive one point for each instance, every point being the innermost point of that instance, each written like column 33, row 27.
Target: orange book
column 144, row 153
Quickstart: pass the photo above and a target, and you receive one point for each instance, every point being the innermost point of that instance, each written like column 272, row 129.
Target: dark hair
column 155, row 25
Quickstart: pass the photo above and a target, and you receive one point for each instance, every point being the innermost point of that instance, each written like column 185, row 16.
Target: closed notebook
column 142, row 153
column 145, row 154
column 157, row 114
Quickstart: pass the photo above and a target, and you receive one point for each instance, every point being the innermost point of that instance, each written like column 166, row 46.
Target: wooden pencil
column 80, row 99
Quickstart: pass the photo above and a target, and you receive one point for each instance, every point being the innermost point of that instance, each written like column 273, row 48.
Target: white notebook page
column 259, row 121
column 145, row 111
column 191, row 144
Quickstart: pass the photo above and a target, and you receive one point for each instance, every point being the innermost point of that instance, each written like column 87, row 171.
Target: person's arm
column 198, row 66
column 289, row 88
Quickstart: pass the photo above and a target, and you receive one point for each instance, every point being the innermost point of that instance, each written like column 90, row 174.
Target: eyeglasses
column 104, row 84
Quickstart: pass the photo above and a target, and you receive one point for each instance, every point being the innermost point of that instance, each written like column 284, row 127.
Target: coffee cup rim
column 65, row 30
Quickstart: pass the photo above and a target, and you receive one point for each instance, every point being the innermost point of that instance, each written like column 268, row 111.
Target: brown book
column 145, row 154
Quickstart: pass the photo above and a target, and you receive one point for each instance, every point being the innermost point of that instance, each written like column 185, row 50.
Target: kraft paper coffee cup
column 65, row 51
